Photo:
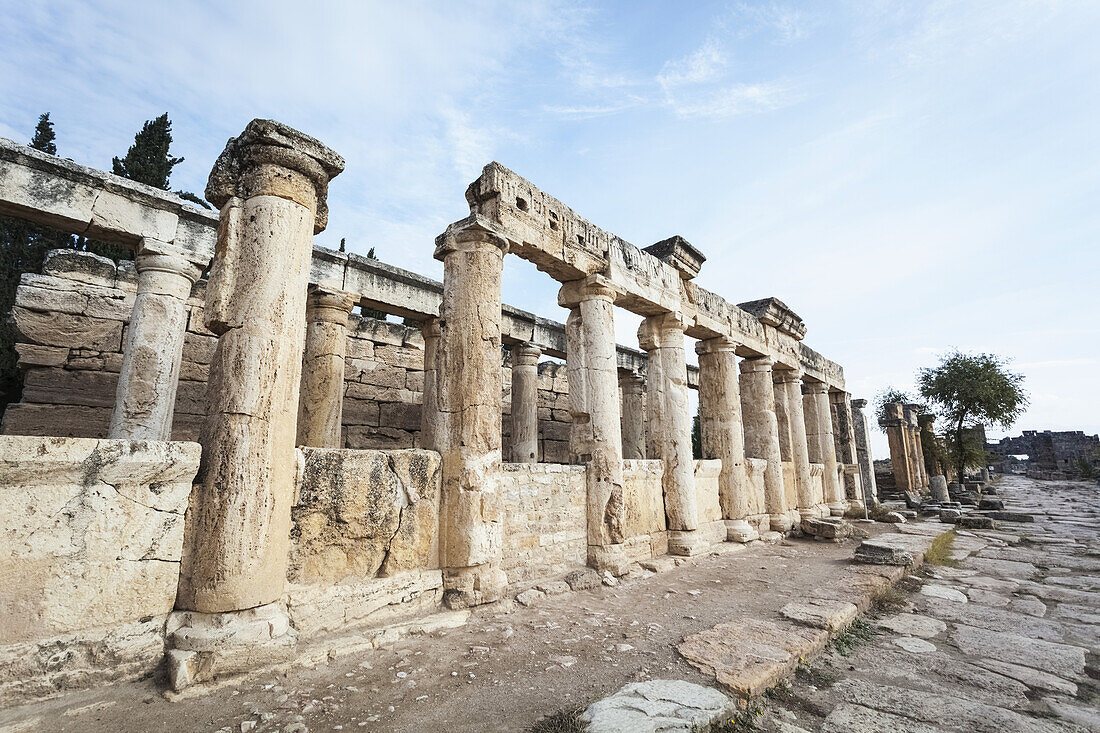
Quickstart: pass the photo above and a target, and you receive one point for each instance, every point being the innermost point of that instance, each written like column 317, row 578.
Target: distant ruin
column 1046, row 454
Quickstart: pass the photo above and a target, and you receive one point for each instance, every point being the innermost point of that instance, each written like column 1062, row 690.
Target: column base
column 611, row 558
column 822, row 510
column 686, row 543
column 473, row 586
column 837, row 508
column 809, row 512
column 779, row 523
column 739, row 530
column 202, row 646
column 856, row 508
column 796, row 518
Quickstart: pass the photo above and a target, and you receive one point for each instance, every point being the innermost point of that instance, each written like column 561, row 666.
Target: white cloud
column 705, row 64
column 737, row 99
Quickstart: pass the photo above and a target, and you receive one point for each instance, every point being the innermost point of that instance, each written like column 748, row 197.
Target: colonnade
column 900, row 420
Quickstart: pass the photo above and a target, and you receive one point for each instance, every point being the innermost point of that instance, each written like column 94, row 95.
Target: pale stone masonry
column 353, row 470
column 863, row 452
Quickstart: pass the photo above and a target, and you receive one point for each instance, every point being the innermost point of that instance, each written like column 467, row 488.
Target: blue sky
column 909, row 177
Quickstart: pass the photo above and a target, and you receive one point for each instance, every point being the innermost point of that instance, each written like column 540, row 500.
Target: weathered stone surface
column 59, row 329
column 750, row 655
column 1033, row 678
column 849, row 718
column 362, row 513
column 658, row 705
column 821, row 614
column 544, row 534
column 975, row 521
column 584, row 579
column 880, row 553
column 332, row 607
column 1062, row 660
column 831, row 529
column 911, row 624
column 935, row 590
column 915, row 646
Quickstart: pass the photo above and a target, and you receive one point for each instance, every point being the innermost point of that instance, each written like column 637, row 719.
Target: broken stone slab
column 826, row 529
column 821, row 613
column 1011, row 516
column 750, row 655
column 950, row 515
column 584, row 579
column 660, row 564
column 935, row 590
column 530, row 597
column 554, row 588
column 1061, row 660
column 876, row 553
column 976, row 521
column 912, row 624
column 995, row 504
column 658, row 705
column 915, row 646
column 894, row 518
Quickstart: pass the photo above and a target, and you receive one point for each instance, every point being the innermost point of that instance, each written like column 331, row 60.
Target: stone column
column 916, row 457
column 146, row 396
column 469, row 382
column 669, row 420
column 525, row 403
column 812, row 423
column 593, row 391
column 762, row 435
column 863, row 453
column 270, row 184
column 576, row 372
column 430, row 415
column 834, row 492
column 633, row 417
column 895, row 424
column 782, row 415
column 844, row 434
column 722, row 432
column 321, row 401
column 789, row 381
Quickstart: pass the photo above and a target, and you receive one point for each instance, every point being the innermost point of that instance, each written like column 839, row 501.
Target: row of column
column 906, row 450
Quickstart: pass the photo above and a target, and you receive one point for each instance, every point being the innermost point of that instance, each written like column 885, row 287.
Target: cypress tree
column 147, row 161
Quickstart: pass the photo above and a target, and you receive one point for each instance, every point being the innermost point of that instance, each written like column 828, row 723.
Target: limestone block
column 820, row 613
column 66, row 387
column 643, row 497
column 56, row 201
column 60, row 329
column 34, row 355
column 360, row 412
column 47, row 300
column 67, row 421
column 707, row 473
column 93, row 534
column 84, row 267
column 322, row 607
column 400, row 415
column 364, row 512
column 114, row 214
column 199, row 348
column 658, row 705
column 378, row 438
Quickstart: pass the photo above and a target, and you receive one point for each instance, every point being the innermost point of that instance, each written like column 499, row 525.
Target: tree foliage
column 968, row 391
column 891, row 395
column 148, row 161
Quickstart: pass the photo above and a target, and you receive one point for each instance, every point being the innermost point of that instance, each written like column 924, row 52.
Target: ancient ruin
column 1047, row 454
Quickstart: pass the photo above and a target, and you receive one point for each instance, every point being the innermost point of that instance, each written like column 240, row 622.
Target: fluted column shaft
column 844, row 432
column 762, row 435
column 594, row 397
column 722, row 432
column 631, row 386
column 525, row 403
column 321, row 399
column 145, row 398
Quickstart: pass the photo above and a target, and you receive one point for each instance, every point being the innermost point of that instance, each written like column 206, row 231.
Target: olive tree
column 968, row 391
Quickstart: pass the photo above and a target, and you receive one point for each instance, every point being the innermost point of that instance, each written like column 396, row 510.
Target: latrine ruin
column 221, row 457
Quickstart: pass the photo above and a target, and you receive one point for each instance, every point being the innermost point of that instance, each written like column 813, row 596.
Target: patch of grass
column 940, row 551
column 566, row 721
column 887, row 599
column 858, row 633
column 819, row 677
column 746, row 721
column 780, row 692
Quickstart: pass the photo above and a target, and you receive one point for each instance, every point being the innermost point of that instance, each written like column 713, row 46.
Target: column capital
column 525, row 354
column 787, row 376
column 152, row 255
column 272, row 159
column 716, row 345
column 859, row 404
column 756, row 364
column 329, row 304
column 631, row 377
column 663, row 329
column 471, row 234
column 594, row 287
column 430, row 328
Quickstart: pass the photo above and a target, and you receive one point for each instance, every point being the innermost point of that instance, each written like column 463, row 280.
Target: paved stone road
column 1005, row 641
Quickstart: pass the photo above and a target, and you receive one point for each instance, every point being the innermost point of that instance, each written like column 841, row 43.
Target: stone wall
column 89, row 558
column 364, row 544
column 711, row 526
column 544, row 525
column 72, row 321
column 645, row 525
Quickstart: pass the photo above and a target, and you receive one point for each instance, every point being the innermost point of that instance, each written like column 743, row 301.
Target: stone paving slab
column 658, row 705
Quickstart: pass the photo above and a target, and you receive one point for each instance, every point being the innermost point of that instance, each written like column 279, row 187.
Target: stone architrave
column 834, row 492
column 270, row 184
column 723, row 434
column 321, row 400
column 845, row 440
column 430, row 415
column 790, row 382
column 669, row 419
column 631, row 385
column 145, row 399
column 594, row 396
column 896, row 427
column 525, row 408
column 762, row 435
column 469, row 379
column 863, row 453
